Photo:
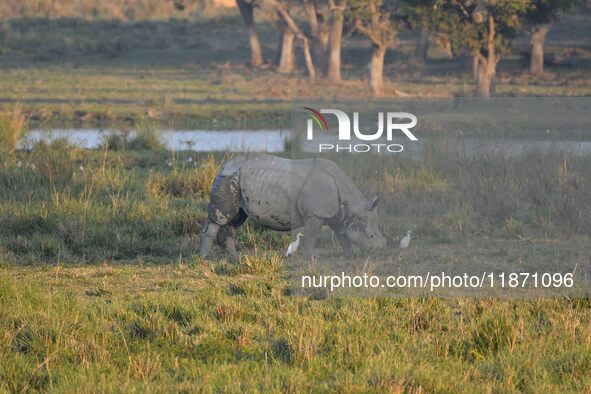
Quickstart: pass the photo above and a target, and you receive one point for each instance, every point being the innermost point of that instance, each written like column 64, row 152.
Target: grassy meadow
column 193, row 326
column 100, row 289
column 71, row 71
column 100, row 286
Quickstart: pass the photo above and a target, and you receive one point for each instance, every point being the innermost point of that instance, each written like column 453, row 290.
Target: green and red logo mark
column 318, row 118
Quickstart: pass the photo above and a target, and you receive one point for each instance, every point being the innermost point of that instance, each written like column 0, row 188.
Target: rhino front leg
column 312, row 225
column 339, row 232
column 208, row 235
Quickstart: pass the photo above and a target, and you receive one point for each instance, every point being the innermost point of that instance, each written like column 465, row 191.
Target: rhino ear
column 372, row 203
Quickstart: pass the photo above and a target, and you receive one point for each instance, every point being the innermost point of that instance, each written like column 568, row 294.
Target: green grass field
column 100, row 289
column 190, row 326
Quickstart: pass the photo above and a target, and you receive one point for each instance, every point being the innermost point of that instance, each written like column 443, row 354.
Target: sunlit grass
column 187, row 326
column 112, row 298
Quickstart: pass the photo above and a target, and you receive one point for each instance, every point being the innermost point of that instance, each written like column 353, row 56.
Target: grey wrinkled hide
column 285, row 194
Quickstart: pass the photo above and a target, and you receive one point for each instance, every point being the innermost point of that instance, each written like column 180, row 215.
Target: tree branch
column 369, row 33
column 492, row 58
column 464, row 10
column 299, row 35
column 288, row 19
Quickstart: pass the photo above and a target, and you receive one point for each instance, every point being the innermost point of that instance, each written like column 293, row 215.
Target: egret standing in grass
column 293, row 247
column 404, row 242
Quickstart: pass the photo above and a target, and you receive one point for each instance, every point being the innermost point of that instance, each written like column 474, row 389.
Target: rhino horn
column 372, row 203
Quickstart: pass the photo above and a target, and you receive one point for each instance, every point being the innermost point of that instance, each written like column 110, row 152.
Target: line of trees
column 481, row 28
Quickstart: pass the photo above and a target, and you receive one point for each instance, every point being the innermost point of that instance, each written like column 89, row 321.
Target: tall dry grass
column 55, row 162
column 447, row 192
column 187, row 181
column 66, row 202
column 12, row 127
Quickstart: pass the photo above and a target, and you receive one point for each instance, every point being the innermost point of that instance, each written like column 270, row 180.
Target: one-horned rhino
column 285, row 194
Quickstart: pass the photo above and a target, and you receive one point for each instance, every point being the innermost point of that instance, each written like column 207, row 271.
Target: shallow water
column 196, row 140
column 274, row 141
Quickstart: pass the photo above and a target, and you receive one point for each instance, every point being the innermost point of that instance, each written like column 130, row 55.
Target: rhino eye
column 358, row 224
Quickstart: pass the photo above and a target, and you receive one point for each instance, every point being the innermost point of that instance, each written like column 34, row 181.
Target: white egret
column 404, row 242
column 293, row 247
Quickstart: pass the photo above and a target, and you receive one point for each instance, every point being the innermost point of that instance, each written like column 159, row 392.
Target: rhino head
column 361, row 228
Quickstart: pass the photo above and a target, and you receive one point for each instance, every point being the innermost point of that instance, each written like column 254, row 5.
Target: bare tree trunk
column 318, row 34
column 475, row 64
column 324, row 40
column 484, row 80
column 299, row 35
column 376, row 72
column 487, row 66
column 247, row 12
column 420, row 54
column 336, row 39
column 286, row 62
column 310, row 8
column 308, row 58
column 538, row 39
column 320, row 48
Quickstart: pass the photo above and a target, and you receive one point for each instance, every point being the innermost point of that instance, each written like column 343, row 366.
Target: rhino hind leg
column 223, row 208
column 208, row 235
column 227, row 239
column 226, row 236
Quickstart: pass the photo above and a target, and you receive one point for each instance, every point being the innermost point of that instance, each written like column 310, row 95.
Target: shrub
column 208, row 170
column 114, row 141
column 187, row 183
column 183, row 184
column 459, row 221
column 146, row 138
column 55, row 161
